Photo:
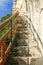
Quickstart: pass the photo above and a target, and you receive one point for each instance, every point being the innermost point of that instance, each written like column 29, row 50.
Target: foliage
column 5, row 17
column 9, row 60
column 5, row 28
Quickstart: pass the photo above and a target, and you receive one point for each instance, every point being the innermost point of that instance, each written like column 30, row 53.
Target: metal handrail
column 4, row 53
column 8, row 20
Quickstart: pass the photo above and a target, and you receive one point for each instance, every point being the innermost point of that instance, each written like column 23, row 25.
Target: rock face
column 34, row 9
column 27, row 50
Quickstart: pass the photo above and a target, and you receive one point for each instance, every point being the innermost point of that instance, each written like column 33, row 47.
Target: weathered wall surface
column 34, row 12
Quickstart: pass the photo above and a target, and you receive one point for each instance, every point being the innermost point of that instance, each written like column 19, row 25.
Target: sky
column 5, row 7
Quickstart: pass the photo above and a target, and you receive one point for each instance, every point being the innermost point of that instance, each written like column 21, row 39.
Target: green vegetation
column 9, row 60
column 5, row 28
column 5, row 17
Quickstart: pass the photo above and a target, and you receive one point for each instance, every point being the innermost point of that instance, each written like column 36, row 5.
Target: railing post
column 3, row 52
column 11, row 30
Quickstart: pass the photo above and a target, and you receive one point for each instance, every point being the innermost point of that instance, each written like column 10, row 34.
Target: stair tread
column 24, row 57
column 23, row 46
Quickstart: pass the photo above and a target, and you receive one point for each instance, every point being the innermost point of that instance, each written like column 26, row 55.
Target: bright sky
column 5, row 7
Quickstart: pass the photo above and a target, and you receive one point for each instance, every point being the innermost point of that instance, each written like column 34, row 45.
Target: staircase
column 25, row 48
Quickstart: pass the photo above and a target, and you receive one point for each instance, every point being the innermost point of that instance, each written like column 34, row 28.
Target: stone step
column 23, row 32
column 24, row 24
column 23, row 51
column 28, row 60
column 24, row 58
column 22, row 61
column 18, row 47
column 26, row 44
column 20, row 33
column 22, row 36
column 25, row 41
column 21, row 22
column 25, row 29
column 19, row 25
column 22, row 27
column 26, row 51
